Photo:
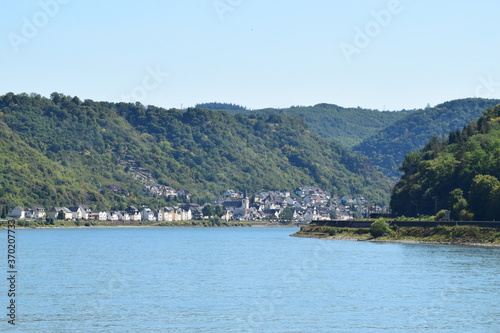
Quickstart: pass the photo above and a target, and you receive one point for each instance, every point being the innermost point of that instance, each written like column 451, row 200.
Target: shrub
column 331, row 231
column 379, row 228
column 441, row 215
column 215, row 221
column 465, row 215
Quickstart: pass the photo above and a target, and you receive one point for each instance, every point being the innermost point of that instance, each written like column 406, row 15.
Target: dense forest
column 65, row 151
column 385, row 137
column 460, row 174
column 388, row 147
column 347, row 126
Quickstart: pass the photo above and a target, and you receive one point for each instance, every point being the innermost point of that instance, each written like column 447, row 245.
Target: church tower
column 245, row 203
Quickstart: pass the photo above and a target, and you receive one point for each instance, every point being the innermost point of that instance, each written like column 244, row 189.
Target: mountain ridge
column 346, row 125
column 388, row 147
column 99, row 145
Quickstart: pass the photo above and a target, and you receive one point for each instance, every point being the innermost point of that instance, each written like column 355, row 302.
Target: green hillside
column 348, row 126
column 387, row 148
column 460, row 174
column 27, row 176
column 76, row 150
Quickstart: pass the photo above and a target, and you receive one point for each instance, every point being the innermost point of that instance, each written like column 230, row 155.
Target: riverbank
column 456, row 235
column 26, row 224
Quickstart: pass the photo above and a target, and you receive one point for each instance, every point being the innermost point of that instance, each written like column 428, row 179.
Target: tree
column 379, row 228
column 286, row 215
column 441, row 215
column 208, row 210
column 482, row 199
column 219, row 211
column 4, row 212
column 56, row 97
column 410, row 163
column 60, row 215
column 215, row 221
column 458, row 205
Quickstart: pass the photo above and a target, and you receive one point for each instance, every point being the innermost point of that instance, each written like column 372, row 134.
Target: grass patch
column 440, row 234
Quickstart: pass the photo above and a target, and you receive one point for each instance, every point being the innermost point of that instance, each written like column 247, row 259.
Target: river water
column 245, row 280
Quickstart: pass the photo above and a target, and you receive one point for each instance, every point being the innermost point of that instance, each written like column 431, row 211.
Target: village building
column 17, row 212
column 80, row 213
column 148, row 214
column 113, row 216
column 134, row 214
column 66, row 213
column 308, row 204
column 36, row 212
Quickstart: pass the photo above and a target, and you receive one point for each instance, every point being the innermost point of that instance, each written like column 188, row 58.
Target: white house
column 67, row 214
column 134, row 214
column 182, row 215
column 35, row 212
column 79, row 213
column 187, row 215
column 17, row 213
column 103, row 216
column 311, row 214
column 135, row 217
column 148, row 215
column 230, row 194
column 123, row 216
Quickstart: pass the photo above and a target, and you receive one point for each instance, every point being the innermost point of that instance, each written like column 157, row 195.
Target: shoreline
column 173, row 225
column 402, row 241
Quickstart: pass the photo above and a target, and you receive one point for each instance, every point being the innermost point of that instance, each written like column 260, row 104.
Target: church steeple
column 245, row 203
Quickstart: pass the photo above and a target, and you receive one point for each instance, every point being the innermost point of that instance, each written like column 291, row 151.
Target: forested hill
column 387, row 148
column 348, row 126
column 228, row 107
column 66, row 151
column 460, row 174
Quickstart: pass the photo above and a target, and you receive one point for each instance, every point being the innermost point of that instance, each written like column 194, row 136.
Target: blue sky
column 391, row 54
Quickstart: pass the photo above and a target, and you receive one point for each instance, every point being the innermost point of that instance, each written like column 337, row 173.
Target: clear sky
column 381, row 54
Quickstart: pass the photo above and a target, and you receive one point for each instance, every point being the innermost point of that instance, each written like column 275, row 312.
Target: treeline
column 221, row 106
column 65, row 151
column 460, row 174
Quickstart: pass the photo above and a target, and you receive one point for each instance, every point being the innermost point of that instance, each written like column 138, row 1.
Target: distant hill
column 388, row 147
column 214, row 106
column 66, row 151
column 460, row 174
column 347, row 126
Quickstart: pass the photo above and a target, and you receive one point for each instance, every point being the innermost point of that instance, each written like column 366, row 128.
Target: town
column 305, row 204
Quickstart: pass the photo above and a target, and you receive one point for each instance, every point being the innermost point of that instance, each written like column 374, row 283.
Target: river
column 245, row 280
